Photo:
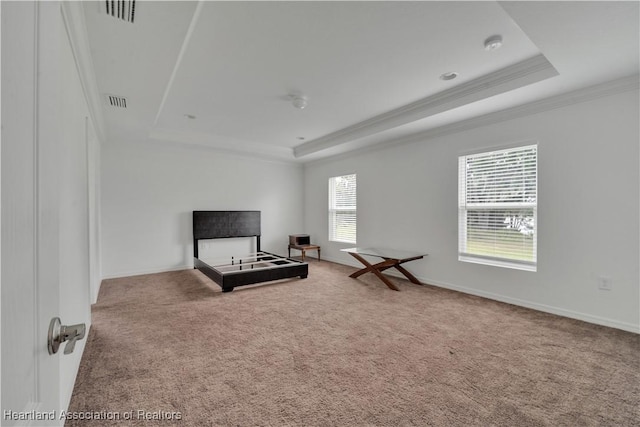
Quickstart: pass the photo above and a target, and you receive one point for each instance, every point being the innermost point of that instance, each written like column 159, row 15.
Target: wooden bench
column 391, row 259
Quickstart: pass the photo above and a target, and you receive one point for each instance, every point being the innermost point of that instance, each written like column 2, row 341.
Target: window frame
column 335, row 210
column 464, row 208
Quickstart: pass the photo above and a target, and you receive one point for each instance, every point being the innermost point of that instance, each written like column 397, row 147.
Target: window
column 497, row 201
column 342, row 209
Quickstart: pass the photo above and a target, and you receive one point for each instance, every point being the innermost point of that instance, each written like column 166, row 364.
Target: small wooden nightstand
column 302, row 242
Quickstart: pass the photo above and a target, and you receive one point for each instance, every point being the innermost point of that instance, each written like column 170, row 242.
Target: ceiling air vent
column 121, row 9
column 116, row 101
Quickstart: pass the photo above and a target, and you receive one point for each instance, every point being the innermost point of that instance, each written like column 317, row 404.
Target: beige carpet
column 330, row 350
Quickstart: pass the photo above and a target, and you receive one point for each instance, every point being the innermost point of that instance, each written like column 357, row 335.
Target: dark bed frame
column 229, row 224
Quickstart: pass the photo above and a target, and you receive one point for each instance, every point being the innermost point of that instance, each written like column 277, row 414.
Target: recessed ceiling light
column 189, row 116
column 448, row 76
column 493, row 42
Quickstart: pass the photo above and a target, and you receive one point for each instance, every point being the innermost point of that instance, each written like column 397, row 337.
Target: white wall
column 149, row 190
column 588, row 211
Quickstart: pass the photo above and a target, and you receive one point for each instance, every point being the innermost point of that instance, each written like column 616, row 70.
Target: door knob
column 59, row 333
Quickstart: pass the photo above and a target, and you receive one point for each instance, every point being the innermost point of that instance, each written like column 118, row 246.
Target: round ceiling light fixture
column 448, row 76
column 299, row 101
column 493, row 42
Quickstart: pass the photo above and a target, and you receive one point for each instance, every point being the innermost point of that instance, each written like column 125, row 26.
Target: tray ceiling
column 221, row 74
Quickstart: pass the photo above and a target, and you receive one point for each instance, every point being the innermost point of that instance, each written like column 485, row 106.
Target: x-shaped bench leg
column 376, row 269
column 407, row 274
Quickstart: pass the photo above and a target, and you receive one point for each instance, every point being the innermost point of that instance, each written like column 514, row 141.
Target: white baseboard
column 629, row 327
column 350, row 263
column 150, row 271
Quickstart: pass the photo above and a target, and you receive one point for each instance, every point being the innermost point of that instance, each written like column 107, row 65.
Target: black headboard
column 223, row 224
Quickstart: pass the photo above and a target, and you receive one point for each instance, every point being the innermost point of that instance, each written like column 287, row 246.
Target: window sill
column 342, row 241
column 496, row 262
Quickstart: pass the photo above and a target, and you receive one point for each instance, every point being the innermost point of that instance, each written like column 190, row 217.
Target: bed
column 231, row 271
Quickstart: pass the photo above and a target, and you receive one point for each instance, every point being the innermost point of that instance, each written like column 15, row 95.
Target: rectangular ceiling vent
column 116, row 101
column 121, row 9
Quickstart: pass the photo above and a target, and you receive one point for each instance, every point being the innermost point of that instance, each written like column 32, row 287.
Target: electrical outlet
column 604, row 283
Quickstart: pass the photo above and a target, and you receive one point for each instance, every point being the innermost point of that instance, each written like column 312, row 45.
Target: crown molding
column 284, row 154
column 73, row 16
column 601, row 90
column 526, row 72
column 563, row 100
column 225, row 144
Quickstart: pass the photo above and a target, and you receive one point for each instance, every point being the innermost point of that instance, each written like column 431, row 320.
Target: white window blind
column 497, row 201
column 342, row 208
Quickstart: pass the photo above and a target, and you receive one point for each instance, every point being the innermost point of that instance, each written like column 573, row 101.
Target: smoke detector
column 298, row 101
column 493, row 42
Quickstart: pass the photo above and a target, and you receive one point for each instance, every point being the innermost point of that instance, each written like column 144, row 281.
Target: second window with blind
column 342, row 209
column 497, row 207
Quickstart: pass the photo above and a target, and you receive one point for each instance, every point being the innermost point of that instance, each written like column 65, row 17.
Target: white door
column 30, row 377
column 44, row 222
